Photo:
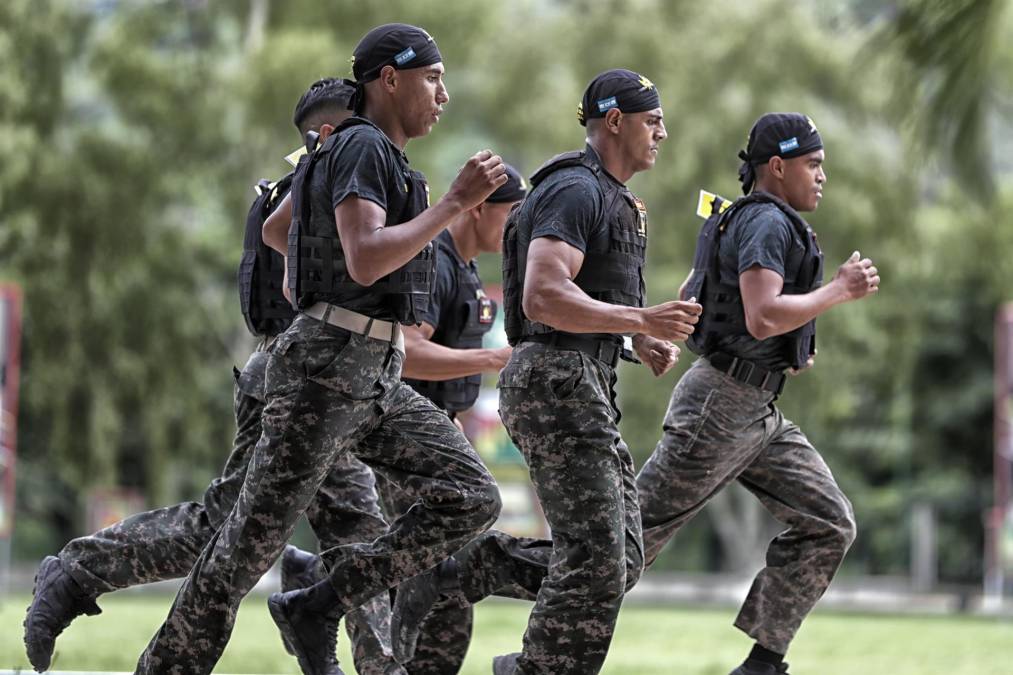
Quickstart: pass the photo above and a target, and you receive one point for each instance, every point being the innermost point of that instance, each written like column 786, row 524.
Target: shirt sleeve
column 570, row 210
column 763, row 239
column 359, row 166
column 442, row 295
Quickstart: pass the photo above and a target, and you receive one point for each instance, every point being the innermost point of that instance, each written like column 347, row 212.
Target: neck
column 384, row 118
column 618, row 166
column 463, row 235
column 771, row 187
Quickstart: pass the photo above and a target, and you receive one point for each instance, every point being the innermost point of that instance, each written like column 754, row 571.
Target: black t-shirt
column 569, row 205
column 759, row 235
column 363, row 162
column 446, row 299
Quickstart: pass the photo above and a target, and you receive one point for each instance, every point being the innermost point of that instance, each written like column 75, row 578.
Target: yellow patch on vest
column 710, row 204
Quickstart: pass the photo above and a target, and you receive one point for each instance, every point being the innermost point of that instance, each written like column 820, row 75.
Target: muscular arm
column 769, row 313
column 551, row 297
column 426, row 360
column 372, row 250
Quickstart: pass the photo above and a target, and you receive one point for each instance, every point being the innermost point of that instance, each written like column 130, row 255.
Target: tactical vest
column 723, row 314
column 464, row 320
column 262, row 269
column 615, row 276
column 316, row 262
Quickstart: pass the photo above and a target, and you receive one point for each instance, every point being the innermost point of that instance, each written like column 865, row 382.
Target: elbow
column 361, row 276
column 534, row 303
column 760, row 327
column 267, row 233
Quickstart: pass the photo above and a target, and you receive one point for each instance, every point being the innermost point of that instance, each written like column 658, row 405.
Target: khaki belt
column 386, row 331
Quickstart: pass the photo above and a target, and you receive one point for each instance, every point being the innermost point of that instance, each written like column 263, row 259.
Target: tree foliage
column 132, row 132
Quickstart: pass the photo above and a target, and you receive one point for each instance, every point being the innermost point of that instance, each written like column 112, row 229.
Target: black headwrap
column 513, row 190
column 394, row 44
column 783, row 135
column 617, row 88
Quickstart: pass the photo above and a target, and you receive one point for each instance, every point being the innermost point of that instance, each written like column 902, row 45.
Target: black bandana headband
column 618, row 88
column 394, row 44
column 784, row 135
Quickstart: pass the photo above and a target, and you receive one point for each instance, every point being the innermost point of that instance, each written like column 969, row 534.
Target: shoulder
column 761, row 219
column 569, row 185
column 362, row 139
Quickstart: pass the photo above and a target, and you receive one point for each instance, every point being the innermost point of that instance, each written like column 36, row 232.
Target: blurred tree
column 131, row 133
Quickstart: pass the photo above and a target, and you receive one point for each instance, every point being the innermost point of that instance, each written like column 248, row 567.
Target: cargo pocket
column 515, row 375
column 571, row 378
column 282, row 344
column 342, row 367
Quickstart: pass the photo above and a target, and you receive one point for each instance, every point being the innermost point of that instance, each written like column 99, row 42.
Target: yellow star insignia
column 645, row 83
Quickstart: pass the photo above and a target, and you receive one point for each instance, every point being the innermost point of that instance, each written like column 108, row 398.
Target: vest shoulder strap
column 562, row 161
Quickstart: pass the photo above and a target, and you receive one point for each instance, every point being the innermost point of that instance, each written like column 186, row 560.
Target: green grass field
column 649, row 640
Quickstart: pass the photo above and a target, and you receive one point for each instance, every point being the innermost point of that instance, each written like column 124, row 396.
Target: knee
column 606, row 576
column 488, row 505
column 842, row 529
column 611, row 581
column 634, row 569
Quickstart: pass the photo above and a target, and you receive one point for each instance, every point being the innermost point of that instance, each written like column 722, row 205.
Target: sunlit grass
column 649, row 640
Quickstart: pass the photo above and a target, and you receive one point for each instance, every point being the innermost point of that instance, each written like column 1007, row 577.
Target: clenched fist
column 477, row 179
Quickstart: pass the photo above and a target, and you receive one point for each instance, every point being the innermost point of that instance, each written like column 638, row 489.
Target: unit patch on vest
column 710, row 204
column 485, row 313
column 641, row 216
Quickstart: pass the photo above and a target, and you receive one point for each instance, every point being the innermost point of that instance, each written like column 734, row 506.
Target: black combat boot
column 413, row 601
column 754, row 667
column 506, row 664
column 299, row 569
column 56, row 600
column 312, row 635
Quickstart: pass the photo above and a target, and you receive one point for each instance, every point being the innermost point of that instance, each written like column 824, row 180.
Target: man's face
column 640, row 134
column 420, row 98
column 803, row 180
column 490, row 226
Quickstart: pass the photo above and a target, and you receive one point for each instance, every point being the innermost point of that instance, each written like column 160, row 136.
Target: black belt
column 748, row 372
column 606, row 351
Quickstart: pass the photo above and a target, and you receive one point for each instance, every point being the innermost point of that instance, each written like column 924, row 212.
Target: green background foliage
column 132, row 131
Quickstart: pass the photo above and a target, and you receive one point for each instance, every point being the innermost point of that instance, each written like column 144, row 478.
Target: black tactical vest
column 723, row 314
column 464, row 320
column 317, row 270
column 262, row 269
column 615, row 275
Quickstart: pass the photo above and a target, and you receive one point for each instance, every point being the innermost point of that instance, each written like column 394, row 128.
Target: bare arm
column 769, row 312
column 373, row 251
column 426, row 360
column 551, row 297
column 275, row 230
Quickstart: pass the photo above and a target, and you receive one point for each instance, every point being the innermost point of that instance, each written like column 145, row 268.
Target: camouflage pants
column 165, row 543
column 718, row 430
column 445, row 633
column 559, row 408
column 329, row 393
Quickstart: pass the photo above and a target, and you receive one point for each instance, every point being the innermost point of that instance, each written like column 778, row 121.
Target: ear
column 613, row 120
column 776, row 166
column 325, row 131
column 476, row 212
column 388, row 78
